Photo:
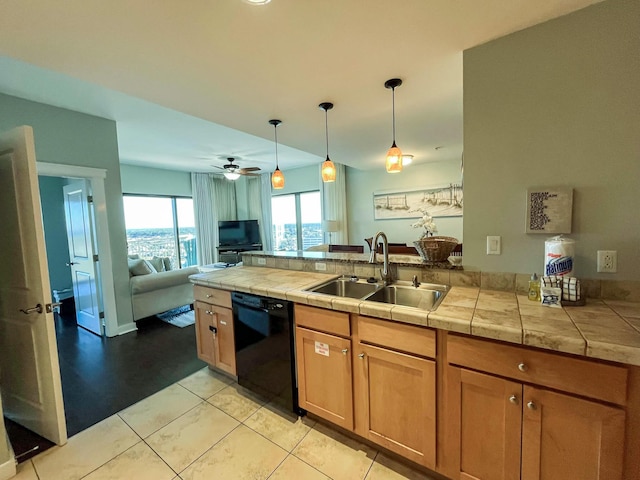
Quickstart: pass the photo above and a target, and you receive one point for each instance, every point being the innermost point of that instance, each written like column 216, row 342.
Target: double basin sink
column 426, row 296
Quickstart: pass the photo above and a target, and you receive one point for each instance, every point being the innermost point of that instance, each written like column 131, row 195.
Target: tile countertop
column 603, row 329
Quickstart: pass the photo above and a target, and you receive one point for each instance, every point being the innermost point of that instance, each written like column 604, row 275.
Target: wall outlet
column 321, row 266
column 607, row 261
column 494, row 245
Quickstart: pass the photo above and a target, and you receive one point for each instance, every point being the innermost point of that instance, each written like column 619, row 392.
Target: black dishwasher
column 265, row 360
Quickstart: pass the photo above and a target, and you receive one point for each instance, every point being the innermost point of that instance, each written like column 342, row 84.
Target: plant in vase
column 426, row 223
column 430, row 248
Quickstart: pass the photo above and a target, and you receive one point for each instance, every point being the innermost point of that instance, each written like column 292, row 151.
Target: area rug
column 179, row 317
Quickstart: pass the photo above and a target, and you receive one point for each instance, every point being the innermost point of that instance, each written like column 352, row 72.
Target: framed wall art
column 439, row 201
column 549, row 210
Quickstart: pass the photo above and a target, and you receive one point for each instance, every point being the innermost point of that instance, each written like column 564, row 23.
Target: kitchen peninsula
column 567, row 376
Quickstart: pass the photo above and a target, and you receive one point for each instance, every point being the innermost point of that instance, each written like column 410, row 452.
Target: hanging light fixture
column 394, row 155
column 328, row 168
column 277, row 178
column 231, row 175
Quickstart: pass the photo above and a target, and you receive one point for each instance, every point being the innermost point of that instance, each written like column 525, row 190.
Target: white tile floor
column 206, row 427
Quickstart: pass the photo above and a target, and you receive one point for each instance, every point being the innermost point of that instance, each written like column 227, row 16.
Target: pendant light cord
column 326, row 130
column 275, row 131
column 393, row 113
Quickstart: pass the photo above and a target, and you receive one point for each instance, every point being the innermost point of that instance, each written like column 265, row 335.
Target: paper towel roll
column 559, row 253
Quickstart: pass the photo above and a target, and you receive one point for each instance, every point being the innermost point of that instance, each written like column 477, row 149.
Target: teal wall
column 557, row 104
column 155, row 181
column 72, row 138
column 55, row 231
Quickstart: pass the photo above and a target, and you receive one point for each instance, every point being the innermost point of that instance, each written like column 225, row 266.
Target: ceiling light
column 231, row 175
column 257, row 2
column 406, row 160
column 328, row 168
column 277, row 178
column 394, row 155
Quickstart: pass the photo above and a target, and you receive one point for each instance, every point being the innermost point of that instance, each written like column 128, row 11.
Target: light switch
column 494, row 245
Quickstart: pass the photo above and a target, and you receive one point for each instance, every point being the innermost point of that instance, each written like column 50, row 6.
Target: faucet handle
column 415, row 281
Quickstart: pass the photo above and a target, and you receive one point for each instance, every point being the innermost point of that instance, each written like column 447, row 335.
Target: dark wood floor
column 101, row 376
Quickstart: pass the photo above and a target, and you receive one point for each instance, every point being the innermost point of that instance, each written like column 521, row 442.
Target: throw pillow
column 158, row 264
column 140, row 267
column 167, row 263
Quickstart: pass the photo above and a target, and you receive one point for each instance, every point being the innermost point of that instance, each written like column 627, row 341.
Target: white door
column 83, row 266
column 29, row 370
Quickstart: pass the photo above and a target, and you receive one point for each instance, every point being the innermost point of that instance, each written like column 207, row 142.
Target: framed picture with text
column 549, row 210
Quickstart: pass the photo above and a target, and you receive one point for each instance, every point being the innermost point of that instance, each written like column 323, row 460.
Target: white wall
column 303, row 179
column 362, row 184
column 155, row 181
column 557, row 104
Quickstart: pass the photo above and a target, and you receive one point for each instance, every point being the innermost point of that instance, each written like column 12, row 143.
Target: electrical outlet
column 321, row 266
column 607, row 261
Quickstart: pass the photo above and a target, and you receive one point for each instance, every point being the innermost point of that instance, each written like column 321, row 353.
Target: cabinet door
column 225, row 349
column 396, row 402
column 484, row 416
column 205, row 332
column 567, row 437
column 324, row 376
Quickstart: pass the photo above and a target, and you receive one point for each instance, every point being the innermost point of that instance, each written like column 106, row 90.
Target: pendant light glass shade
column 394, row 155
column 231, row 175
column 328, row 170
column 277, row 178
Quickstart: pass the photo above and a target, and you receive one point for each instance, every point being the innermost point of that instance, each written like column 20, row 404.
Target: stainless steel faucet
column 385, row 274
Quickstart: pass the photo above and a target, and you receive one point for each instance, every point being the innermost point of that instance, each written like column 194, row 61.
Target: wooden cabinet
column 214, row 328
column 505, row 429
column 323, row 358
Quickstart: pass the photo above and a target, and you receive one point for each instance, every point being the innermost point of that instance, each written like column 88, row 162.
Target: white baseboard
column 126, row 328
column 8, row 469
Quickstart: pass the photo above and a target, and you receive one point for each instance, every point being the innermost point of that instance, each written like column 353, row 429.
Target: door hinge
column 95, row 258
column 101, row 315
column 90, row 198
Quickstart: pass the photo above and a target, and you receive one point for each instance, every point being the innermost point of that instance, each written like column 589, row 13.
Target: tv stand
column 233, row 253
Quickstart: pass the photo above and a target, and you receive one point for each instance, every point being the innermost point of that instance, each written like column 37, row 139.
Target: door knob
column 531, row 406
column 36, row 309
column 523, row 367
column 71, row 263
column 361, row 356
column 344, row 351
column 513, row 399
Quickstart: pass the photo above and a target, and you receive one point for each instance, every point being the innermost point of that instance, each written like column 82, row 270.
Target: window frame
column 298, row 213
column 174, row 216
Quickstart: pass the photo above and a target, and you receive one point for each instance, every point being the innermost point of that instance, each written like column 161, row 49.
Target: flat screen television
column 238, row 232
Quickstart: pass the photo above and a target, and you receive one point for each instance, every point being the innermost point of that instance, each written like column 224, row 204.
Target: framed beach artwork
column 440, row 201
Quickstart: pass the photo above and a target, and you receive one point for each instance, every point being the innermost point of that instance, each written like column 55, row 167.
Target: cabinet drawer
column 321, row 319
column 574, row 375
column 212, row 296
column 397, row 336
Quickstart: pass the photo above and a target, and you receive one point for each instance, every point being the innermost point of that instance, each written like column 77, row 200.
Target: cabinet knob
column 531, row 406
column 208, row 295
column 513, row 399
column 361, row 356
column 345, row 351
column 208, row 312
column 523, row 367
column 222, row 322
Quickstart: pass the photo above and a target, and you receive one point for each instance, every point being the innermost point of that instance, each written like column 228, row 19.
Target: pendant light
column 277, row 179
column 328, row 168
column 394, row 155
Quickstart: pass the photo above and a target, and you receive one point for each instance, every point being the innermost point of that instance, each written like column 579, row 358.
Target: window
column 161, row 227
column 296, row 221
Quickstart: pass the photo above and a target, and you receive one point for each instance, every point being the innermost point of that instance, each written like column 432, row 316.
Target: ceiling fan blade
column 216, row 166
column 249, row 169
column 250, row 174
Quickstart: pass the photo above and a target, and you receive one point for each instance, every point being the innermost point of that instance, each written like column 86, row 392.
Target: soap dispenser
column 534, row 288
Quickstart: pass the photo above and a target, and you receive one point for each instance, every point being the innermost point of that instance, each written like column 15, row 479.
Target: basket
column 435, row 249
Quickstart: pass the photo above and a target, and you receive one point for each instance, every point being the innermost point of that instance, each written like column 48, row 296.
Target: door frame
column 96, row 177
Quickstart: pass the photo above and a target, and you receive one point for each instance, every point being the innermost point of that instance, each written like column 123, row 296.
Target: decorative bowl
column 435, row 249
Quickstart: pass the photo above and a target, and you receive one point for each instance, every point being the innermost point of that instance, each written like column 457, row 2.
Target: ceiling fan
column 233, row 171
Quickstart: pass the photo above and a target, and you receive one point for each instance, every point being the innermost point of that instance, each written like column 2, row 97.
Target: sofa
column 156, row 287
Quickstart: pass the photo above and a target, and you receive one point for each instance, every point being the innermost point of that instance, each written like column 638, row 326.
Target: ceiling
column 190, row 83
